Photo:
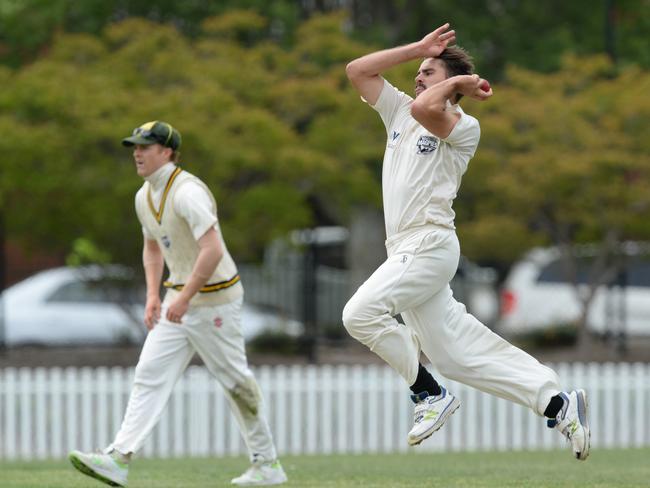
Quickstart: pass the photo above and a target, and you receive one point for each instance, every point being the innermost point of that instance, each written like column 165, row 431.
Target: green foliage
column 84, row 251
column 283, row 140
column 563, row 159
column 499, row 32
column 241, row 26
column 27, row 27
column 250, row 118
column 525, row 33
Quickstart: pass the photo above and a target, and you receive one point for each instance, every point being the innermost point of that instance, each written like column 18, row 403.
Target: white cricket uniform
column 420, row 179
column 175, row 208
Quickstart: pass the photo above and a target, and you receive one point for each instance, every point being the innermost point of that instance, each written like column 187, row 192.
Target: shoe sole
column 583, row 407
column 261, row 483
column 88, row 471
column 453, row 406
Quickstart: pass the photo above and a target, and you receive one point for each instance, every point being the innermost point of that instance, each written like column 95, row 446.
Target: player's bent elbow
column 354, row 71
column 351, row 70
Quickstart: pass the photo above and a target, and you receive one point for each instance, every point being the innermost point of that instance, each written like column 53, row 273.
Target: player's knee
column 348, row 315
column 147, row 373
column 354, row 318
column 247, row 395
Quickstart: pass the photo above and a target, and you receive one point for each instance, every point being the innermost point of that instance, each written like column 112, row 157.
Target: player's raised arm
column 365, row 72
column 430, row 108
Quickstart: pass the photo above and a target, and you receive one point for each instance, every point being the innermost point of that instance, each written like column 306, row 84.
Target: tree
column 564, row 159
column 284, row 141
column 27, row 27
column 498, row 32
column 256, row 122
column 521, row 32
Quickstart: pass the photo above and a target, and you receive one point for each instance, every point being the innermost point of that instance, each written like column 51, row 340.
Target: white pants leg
column 414, row 282
column 400, row 283
column 215, row 334
column 165, row 355
column 218, row 339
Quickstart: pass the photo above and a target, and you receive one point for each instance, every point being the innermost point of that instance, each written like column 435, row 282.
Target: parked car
column 538, row 294
column 86, row 305
column 258, row 320
column 100, row 305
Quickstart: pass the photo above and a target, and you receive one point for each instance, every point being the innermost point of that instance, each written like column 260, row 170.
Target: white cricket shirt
column 175, row 209
column 190, row 201
column 421, row 173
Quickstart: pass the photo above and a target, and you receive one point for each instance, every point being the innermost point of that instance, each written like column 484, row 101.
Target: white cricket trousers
column 414, row 282
column 215, row 334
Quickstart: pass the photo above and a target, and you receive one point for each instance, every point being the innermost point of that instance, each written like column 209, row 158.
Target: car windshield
column 637, row 272
column 97, row 291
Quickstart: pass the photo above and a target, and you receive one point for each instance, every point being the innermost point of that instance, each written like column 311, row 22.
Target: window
column 637, row 272
column 557, row 272
column 111, row 291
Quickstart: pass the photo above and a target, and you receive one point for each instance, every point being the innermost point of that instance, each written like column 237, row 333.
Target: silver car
column 86, row 305
column 98, row 305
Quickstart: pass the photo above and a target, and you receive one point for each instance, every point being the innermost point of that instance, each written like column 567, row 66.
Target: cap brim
column 133, row 140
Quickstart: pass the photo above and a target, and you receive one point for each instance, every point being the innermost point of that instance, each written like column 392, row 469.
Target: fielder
column 430, row 143
column 200, row 313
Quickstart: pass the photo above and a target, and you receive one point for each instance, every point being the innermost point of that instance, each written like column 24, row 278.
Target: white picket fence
column 44, row 413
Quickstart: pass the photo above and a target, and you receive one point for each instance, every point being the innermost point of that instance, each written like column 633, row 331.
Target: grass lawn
column 555, row 469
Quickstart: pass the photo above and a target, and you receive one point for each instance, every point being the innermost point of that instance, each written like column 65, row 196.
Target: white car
column 86, row 305
column 99, row 305
column 538, row 294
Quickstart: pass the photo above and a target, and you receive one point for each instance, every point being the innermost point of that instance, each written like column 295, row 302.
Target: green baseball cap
column 155, row 132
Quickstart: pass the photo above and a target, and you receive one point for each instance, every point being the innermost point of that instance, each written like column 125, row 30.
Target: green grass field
column 555, row 469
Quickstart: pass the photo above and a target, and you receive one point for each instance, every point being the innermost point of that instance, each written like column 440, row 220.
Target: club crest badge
column 427, row 144
column 166, row 242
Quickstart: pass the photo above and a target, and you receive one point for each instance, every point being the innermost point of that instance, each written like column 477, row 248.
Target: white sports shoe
column 571, row 421
column 431, row 412
column 263, row 474
column 100, row 466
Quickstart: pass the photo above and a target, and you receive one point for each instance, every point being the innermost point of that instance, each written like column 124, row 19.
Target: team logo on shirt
column 427, row 144
column 166, row 242
column 393, row 138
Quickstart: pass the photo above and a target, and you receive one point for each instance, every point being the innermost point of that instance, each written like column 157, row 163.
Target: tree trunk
column 585, row 342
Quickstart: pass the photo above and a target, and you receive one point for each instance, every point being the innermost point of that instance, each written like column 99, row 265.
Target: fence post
column 11, row 440
column 310, row 300
column 40, row 407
